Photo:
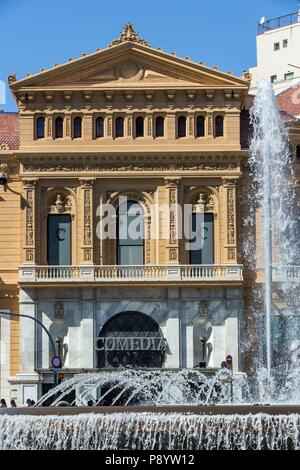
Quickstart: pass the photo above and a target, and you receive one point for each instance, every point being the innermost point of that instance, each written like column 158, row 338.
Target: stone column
column 87, row 329
column 229, row 186
column 171, row 126
column 28, row 379
column 173, row 327
column 172, row 188
column 87, row 220
column 29, row 222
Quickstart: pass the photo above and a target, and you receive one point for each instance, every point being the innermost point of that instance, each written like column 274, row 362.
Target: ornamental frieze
column 146, row 163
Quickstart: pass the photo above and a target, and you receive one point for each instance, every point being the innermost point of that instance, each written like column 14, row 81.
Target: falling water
column 271, row 168
column 150, row 431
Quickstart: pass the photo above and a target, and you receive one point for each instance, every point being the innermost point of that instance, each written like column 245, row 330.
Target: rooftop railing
column 279, row 22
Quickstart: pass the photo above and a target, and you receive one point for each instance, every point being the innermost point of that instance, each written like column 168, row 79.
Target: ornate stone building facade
column 131, row 121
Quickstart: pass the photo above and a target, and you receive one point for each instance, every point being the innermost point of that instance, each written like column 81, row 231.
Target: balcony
column 286, row 274
column 217, row 273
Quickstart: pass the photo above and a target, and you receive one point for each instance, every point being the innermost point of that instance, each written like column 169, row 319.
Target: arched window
column 159, row 126
column 77, row 127
column 99, row 127
column 40, row 128
column 59, row 127
column 219, row 126
column 119, row 131
column 130, row 233
column 181, row 130
column 139, row 127
column 200, row 126
column 123, row 327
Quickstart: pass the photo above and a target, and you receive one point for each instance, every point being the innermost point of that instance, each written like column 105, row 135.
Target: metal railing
column 279, row 22
column 130, row 273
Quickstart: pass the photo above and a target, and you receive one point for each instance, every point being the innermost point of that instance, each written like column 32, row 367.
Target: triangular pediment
column 130, row 65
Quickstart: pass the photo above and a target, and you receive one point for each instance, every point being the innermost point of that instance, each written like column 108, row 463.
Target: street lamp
column 21, row 315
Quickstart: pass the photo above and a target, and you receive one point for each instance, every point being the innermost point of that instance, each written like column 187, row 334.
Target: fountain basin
column 168, row 428
column 169, row 409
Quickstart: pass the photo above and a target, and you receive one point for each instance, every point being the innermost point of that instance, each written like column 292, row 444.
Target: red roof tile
column 10, row 130
column 289, row 100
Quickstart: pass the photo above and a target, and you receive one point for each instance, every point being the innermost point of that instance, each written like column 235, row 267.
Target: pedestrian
column 13, row 403
column 28, row 401
column 3, row 403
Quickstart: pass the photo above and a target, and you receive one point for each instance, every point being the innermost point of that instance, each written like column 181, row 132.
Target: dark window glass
column 58, row 128
column 200, row 126
column 119, row 127
column 100, row 127
column 159, row 126
column 298, row 152
column 59, row 239
column 181, row 126
column 202, row 249
column 77, row 127
column 40, row 128
column 139, row 126
column 219, row 126
column 130, row 234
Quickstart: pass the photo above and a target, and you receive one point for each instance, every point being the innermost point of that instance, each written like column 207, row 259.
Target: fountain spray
column 270, row 163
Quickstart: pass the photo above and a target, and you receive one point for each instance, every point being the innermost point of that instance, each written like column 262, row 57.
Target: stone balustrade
column 139, row 273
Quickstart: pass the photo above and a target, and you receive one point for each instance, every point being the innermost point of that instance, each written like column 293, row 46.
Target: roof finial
column 129, row 34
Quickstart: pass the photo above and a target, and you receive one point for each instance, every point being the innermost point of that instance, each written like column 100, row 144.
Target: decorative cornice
column 129, row 34
column 130, row 163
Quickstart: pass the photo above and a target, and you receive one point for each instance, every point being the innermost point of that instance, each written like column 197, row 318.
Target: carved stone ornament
column 129, row 34
column 203, row 202
column 60, row 203
column 4, row 168
column 59, row 311
column 4, row 147
column 12, row 78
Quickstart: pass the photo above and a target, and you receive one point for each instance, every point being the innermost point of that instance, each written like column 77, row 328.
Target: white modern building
column 278, row 52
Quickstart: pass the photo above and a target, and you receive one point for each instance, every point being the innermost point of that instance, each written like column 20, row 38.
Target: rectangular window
column 273, row 78
column 59, row 240
column 285, row 43
column 298, row 153
column 289, row 76
column 276, row 46
column 206, row 254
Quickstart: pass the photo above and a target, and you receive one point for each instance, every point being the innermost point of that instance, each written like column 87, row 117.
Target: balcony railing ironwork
column 139, row 273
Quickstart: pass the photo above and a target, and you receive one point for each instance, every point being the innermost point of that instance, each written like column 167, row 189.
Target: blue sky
column 37, row 34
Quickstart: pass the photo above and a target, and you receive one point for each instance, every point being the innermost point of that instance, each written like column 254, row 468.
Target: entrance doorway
column 130, row 340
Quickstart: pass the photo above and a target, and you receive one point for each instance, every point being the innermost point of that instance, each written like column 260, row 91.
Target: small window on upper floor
column 298, row 153
column 159, row 126
column 59, row 128
column 181, row 126
column 289, row 76
column 77, row 128
column 200, row 126
column 276, row 46
column 285, row 43
column 273, row 78
column 139, row 127
column 219, row 126
column 40, row 128
column 119, row 127
column 99, row 127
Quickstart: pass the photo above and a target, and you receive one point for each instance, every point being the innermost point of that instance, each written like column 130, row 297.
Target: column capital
column 172, row 182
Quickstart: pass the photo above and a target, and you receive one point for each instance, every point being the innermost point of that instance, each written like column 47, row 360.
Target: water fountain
column 144, row 409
